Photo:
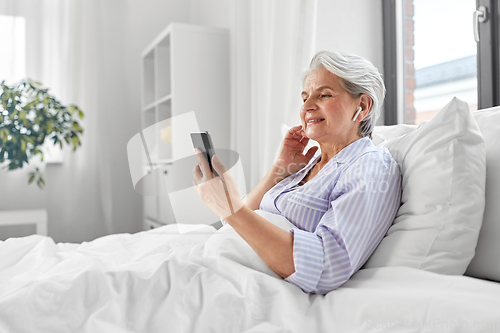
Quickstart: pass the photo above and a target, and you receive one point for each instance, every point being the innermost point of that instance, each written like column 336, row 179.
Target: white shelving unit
column 184, row 69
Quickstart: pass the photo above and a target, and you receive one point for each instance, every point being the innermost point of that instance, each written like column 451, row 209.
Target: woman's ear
column 365, row 103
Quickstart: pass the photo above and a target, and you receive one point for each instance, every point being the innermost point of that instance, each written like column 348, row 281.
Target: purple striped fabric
column 341, row 214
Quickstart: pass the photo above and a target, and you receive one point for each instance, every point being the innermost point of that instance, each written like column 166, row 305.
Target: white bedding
column 160, row 281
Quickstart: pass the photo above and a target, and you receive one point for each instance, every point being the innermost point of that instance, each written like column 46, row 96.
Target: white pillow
column 486, row 262
column 443, row 166
column 228, row 244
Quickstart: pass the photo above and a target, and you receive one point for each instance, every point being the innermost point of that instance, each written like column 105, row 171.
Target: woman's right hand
column 290, row 160
column 291, row 157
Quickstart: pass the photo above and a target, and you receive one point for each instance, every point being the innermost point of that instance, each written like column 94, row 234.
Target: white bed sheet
column 160, row 281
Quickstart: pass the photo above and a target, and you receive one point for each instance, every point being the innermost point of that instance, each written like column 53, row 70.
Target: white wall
column 214, row 13
column 353, row 26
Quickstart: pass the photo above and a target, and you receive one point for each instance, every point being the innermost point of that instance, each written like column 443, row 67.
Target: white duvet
column 212, row 281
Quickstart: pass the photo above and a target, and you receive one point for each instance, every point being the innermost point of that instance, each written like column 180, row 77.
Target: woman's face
column 328, row 109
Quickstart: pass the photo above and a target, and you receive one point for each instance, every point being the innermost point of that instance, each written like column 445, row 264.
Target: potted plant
column 30, row 116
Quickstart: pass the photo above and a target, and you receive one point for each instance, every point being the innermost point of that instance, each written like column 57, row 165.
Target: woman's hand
column 291, row 157
column 220, row 194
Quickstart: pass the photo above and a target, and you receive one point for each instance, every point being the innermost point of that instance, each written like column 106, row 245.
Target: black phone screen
column 203, row 142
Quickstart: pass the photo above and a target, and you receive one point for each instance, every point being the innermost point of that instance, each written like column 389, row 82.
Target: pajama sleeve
column 363, row 205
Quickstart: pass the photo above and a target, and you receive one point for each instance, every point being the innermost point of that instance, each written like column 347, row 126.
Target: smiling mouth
column 314, row 121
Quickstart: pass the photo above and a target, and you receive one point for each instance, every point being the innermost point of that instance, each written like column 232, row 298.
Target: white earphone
column 357, row 114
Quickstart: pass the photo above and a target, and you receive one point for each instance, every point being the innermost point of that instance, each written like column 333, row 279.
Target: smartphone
column 203, row 142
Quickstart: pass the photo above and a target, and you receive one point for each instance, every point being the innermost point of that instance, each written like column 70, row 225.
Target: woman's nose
column 308, row 105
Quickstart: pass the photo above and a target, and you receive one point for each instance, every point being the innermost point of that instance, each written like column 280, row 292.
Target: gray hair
column 358, row 76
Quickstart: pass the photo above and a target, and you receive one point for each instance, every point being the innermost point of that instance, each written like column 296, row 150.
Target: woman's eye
column 325, row 96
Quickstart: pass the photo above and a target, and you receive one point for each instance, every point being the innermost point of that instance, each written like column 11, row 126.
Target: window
column 431, row 56
column 13, row 56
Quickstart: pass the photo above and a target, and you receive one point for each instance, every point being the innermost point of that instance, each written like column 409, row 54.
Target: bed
column 209, row 280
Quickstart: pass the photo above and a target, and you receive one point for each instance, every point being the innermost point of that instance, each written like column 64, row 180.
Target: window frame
column 488, row 69
column 488, row 59
column 390, row 38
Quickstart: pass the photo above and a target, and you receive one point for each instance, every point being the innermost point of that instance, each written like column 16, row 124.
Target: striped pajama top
column 341, row 214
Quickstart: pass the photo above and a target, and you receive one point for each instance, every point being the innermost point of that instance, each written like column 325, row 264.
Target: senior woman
column 342, row 199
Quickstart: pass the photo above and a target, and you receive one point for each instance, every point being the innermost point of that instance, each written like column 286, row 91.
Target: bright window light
column 13, row 54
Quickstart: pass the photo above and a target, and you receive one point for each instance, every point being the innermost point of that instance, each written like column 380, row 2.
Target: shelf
column 150, row 202
column 159, row 162
column 164, row 110
column 148, row 72
column 164, row 99
column 148, row 134
column 192, row 63
column 149, row 117
column 163, row 73
column 151, row 105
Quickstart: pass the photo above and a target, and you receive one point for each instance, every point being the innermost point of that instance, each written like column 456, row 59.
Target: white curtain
column 62, row 51
column 273, row 42
column 77, row 47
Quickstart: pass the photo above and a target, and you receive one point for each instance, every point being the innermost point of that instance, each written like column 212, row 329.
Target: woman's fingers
column 197, row 175
column 218, row 165
column 297, row 133
column 303, row 133
column 219, row 194
column 310, row 153
column 227, row 183
column 203, row 164
column 304, row 141
column 222, row 171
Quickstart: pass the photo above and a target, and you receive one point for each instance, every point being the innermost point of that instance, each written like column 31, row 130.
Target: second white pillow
column 443, row 166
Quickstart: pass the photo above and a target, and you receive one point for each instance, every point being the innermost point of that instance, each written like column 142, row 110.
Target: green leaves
column 4, row 134
column 36, row 176
column 29, row 115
